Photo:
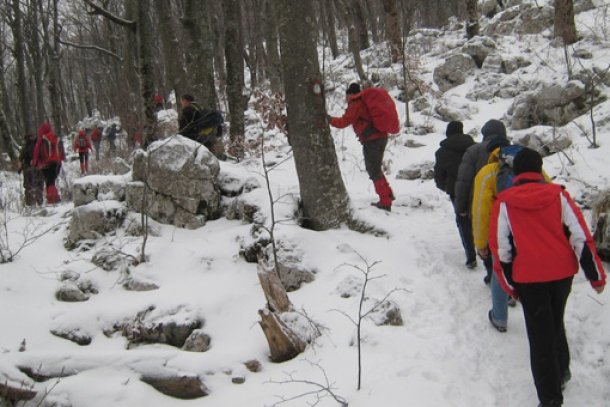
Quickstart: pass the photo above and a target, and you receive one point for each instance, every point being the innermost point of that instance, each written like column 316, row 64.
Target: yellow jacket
column 483, row 198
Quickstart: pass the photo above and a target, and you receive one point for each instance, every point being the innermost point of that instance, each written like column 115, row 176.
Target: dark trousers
column 543, row 307
column 464, row 225
column 50, row 174
column 373, row 157
column 33, row 186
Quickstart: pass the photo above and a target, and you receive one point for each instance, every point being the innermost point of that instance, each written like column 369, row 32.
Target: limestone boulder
column 454, row 71
column 93, row 220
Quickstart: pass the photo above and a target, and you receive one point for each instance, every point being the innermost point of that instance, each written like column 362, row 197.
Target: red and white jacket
column 538, row 234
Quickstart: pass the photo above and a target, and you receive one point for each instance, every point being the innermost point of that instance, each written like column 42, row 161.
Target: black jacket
column 189, row 115
column 448, row 158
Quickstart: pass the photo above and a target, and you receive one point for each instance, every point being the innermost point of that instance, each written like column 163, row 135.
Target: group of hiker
column 530, row 235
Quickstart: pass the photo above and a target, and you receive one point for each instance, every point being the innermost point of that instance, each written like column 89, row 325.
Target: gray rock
column 198, row 341
column 101, row 188
column 423, row 170
column 110, row 259
column 93, row 220
column 580, row 6
column 184, row 387
column 479, row 48
column 69, row 292
column 133, row 225
column 120, row 166
column 133, row 283
column 181, row 178
column 231, row 185
column 350, row 286
column 388, row 313
column 171, row 327
column 293, row 272
column 76, row 336
column 453, row 71
column 240, row 209
column 238, row 380
column 253, row 366
column 601, row 221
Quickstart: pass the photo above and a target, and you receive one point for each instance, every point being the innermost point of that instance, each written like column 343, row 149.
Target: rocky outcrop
column 553, row 104
column 99, row 188
column 94, row 219
column 453, row 72
column 174, row 183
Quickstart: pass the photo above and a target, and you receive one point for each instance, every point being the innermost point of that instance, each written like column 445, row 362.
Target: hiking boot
column 380, row 206
column 487, row 279
column 471, row 264
column 551, row 403
column 512, row 302
column 500, row 328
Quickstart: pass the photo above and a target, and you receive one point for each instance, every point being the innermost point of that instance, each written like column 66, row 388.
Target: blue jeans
column 464, row 225
column 499, row 302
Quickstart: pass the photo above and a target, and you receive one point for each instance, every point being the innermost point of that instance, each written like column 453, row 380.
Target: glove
column 19, row 171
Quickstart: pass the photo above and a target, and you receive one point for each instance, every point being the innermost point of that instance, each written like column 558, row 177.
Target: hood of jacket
column 458, row 143
column 530, row 191
column 44, row 129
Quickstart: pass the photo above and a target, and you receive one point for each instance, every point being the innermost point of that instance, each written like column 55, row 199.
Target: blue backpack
column 504, row 178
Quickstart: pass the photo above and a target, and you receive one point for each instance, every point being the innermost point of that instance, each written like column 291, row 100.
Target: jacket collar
column 526, row 177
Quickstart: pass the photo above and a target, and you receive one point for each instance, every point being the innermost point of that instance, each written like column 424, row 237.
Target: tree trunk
column 284, row 344
column 324, row 198
column 54, row 85
column 24, row 110
column 472, row 27
column 146, row 69
column 235, row 75
column 274, row 67
column 564, row 21
column 392, row 29
column 328, row 10
column 36, row 52
column 352, row 39
column 175, row 74
column 200, row 52
column 372, row 16
column 360, row 24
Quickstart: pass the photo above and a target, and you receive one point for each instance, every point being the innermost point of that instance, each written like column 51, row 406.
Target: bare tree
column 274, row 67
column 324, row 198
column 472, row 26
column 392, row 28
column 175, row 78
column 235, row 75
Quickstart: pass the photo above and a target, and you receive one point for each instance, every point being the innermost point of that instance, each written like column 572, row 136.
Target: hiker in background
column 448, row 158
column 159, row 102
column 538, row 236
column 485, row 191
column 373, row 141
column 48, row 155
column 33, row 184
column 473, row 160
column 82, row 146
column 96, row 139
column 187, row 118
column 202, row 125
column 111, row 136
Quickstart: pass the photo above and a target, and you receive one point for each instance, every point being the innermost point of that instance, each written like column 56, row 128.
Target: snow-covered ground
column 445, row 354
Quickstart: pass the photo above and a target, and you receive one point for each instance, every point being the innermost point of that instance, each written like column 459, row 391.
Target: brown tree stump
column 284, row 344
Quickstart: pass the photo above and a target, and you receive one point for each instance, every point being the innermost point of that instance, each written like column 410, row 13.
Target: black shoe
column 471, row 264
column 487, row 279
column 380, row 206
column 500, row 328
column 512, row 302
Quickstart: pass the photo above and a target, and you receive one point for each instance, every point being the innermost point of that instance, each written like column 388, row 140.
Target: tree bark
column 360, row 23
column 564, row 21
column 23, row 112
column 53, row 54
column 146, row 68
column 392, row 29
column 200, row 52
column 352, row 39
column 274, row 67
column 324, row 198
column 235, row 75
column 472, row 27
column 284, row 344
column 175, row 74
column 328, row 10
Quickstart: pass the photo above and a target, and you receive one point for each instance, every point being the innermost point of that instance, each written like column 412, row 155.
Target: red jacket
column 538, row 234
column 358, row 116
column 82, row 144
column 57, row 153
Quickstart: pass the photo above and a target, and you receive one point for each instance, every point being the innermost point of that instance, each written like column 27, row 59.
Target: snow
column 446, row 354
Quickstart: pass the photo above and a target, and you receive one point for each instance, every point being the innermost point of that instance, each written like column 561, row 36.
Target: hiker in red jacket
column 82, row 146
column 48, row 155
column 373, row 143
column 538, row 237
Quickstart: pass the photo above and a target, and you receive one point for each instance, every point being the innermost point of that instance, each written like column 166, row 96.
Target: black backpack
column 207, row 124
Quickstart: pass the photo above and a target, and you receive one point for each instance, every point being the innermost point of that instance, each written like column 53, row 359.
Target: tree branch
column 98, row 10
column 93, row 47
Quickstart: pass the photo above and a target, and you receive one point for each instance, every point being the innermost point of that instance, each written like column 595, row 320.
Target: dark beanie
column 493, row 128
column 495, row 142
column 527, row 160
column 454, row 127
column 188, row 97
column 353, row 89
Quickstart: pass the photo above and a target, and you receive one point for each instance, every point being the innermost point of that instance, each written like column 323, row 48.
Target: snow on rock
column 93, row 220
column 453, row 71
